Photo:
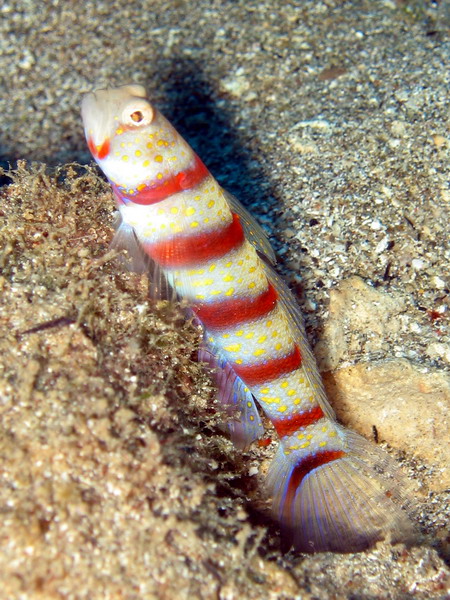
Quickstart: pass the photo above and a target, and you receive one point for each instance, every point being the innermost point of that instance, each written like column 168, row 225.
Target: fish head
column 134, row 145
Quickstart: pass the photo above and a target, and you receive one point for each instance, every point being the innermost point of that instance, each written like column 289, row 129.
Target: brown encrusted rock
column 408, row 407
column 360, row 319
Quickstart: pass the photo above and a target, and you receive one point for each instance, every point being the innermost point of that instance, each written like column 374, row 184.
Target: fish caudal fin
column 339, row 501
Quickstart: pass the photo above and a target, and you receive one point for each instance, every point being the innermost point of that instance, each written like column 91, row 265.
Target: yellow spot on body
column 291, row 392
column 278, row 346
column 190, row 211
column 322, row 444
column 174, row 210
column 311, row 398
column 252, row 269
column 228, row 264
column 282, row 409
column 159, row 176
column 301, row 380
column 216, row 292
column 238, row 361
column 300, row 436
column 297, row 401
column 275, row 334
column 269, row 324
column 194, row 224
column 249, row 404
column 240, row 280
column 211, row 268
column 119, row 131
column 202, row 297
column 265, row 391
column 233, row 347
column 141, row 186
column 146, row 163
column 138, row 153
column 332, row 434
column 125, row 157
column 149, row 145
column 252, row 418
column 122, row 144
column 240, row 263
column 324, row 428
column 173, row 158
column 225, row 335
column 275, row 400
column 309, row 436
column 294, row 447
column 305, row 445
column 249, row 336
column 229, row 292
column 210, row 203
column 206, row 220
column 262, row 339
column 161, row 142
column 284, row 384
column 239, row 333
column 158, row 158
column 228, row 278
column 259, row 352
column 251, row 285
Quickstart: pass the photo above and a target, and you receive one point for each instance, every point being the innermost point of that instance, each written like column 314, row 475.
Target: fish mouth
column 99, row 151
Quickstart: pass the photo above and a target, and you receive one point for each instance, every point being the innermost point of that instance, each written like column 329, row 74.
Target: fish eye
column 137, row 116
column 138, row 113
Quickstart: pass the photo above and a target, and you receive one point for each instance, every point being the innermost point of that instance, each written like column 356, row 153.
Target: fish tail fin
column 340, row 501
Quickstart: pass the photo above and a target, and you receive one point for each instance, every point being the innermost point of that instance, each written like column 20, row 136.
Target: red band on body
column 267, row 371
column 185, row 180
column 303, row 468
column 229, row 313
column 195, row 249
column 293, row 423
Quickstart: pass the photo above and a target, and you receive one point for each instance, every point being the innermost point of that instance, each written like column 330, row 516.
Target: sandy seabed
column 330, row 121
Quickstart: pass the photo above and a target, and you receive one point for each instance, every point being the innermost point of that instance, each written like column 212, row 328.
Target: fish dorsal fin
column 254, row 233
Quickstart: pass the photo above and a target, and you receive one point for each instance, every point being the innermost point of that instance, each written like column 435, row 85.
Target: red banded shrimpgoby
column 330, row 488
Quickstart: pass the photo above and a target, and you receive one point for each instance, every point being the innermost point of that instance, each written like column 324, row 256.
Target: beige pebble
column 439, row 140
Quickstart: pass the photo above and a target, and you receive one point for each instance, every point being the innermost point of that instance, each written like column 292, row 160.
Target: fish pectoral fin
column 138, row 261
column 244, row 425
